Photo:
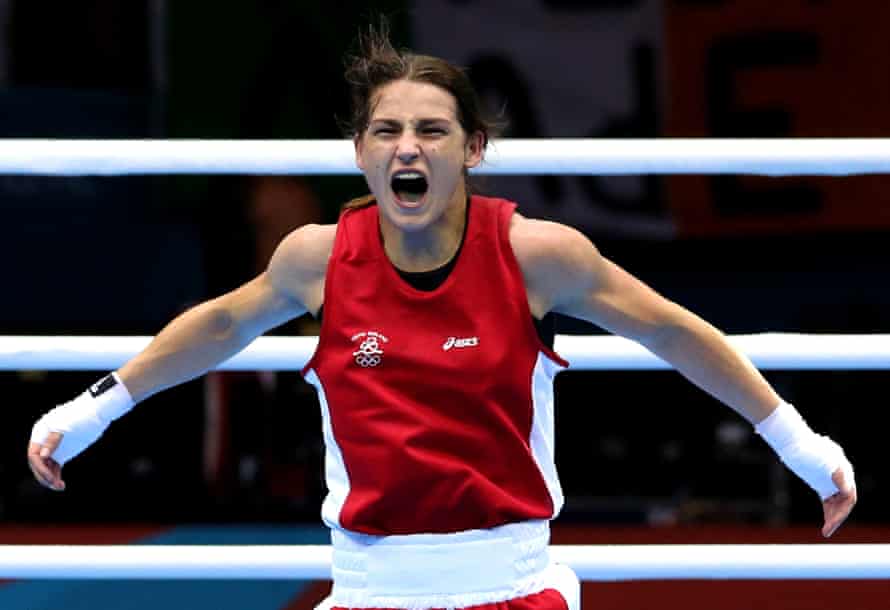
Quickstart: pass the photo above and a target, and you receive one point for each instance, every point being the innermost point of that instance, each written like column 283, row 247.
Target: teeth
column 409, row 175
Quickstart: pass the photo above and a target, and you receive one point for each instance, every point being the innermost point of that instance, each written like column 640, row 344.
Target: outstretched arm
column 618, row 302
column 206, row 335
column 187, row 347
column 565, row 273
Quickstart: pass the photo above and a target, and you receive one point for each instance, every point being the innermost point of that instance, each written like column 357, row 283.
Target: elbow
column 668, row 334
column 680, row 333
column 220, row 323
column 659, row 338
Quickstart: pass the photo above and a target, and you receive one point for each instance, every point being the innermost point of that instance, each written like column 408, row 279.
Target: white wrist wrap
column 83, row 420
column 812, row 457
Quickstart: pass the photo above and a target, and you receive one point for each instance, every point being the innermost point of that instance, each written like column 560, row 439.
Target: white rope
column 773, row 157
column 590, row 562
column 767, row 351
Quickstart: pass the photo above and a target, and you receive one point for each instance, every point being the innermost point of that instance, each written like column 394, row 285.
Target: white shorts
column 457, row 570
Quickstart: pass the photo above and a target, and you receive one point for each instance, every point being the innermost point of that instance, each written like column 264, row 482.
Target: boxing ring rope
column 836, row 157
column 787, row 351
column 770, row 157
column 604, row 563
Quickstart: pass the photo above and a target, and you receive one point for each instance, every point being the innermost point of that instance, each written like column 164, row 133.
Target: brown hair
column 378, row 63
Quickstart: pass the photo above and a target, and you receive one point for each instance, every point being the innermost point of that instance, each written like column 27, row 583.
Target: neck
column 430, row 247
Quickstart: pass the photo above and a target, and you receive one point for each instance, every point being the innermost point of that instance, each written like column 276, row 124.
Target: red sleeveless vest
column 437, row 406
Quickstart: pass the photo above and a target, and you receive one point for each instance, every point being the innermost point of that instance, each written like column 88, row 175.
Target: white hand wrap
column 83, row 420
column 812, row 457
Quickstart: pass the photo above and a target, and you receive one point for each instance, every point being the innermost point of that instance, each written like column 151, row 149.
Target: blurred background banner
column 564, row 69
column 767, row 69
column 679, row 68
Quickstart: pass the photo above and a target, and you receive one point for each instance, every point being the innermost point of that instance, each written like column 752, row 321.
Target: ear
column 359, row 161
column 474, row 150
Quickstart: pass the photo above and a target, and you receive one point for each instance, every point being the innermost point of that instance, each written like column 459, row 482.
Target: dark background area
column 105, row 256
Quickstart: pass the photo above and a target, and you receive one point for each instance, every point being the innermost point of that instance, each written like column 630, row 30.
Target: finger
column 831, row 526
column 46, row 476
column 56, row 469
column 837, row 508
column 51, row 444
column 39, row 474
column 46, row 470
column 37, row 463
column 840, row 480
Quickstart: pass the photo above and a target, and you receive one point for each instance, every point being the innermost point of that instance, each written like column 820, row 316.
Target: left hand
column 838, row 506
column 46, row 469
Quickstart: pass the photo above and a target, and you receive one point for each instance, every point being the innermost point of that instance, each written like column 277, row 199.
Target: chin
column 410, row 223
column 408, row 219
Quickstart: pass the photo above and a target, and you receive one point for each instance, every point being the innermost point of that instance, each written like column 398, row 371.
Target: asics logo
column 460, row 342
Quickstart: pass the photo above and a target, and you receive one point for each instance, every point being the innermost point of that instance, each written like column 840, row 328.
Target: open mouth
column 409, row 186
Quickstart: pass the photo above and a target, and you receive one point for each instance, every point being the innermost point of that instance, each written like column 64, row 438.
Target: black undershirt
column 427, row 281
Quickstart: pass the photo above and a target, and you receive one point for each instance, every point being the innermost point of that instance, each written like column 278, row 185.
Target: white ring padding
column 768, row 351
column 770, row 157
column 605, row 563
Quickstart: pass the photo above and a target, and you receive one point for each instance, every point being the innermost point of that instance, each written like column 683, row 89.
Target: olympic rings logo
column 369, row 352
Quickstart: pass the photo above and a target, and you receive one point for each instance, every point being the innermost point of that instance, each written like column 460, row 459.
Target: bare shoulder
column 538, row 243
column 555, row 260
column 298, row 266
column 306, row 249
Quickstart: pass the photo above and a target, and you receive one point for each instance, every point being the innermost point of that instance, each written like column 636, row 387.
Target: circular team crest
column 370, row 350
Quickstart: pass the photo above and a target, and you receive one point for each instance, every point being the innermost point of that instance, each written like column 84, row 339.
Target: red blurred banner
column 762, row 68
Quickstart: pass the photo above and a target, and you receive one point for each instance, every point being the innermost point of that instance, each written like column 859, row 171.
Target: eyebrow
column 418, row 122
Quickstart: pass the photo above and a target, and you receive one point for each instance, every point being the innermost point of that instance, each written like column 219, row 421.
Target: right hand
column 47, row 471
column 837, row 507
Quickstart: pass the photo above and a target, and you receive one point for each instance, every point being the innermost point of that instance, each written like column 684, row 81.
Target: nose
column 408, row 148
